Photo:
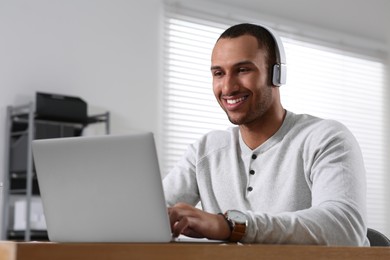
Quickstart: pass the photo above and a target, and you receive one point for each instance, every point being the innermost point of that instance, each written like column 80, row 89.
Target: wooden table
column 172, row 251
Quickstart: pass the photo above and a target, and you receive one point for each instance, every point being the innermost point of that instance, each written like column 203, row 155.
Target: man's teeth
column 234, row 101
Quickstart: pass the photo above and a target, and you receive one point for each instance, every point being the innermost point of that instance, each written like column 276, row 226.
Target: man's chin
column 235, row 121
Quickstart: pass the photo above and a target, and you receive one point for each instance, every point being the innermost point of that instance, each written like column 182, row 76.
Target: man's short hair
column 264, row 39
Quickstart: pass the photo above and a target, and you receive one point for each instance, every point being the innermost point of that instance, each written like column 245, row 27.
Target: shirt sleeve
column 180, row 184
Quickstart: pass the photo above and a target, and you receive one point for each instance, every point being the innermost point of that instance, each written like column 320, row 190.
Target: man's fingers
column 179, row 227
column 185, row 219
column 186, row 226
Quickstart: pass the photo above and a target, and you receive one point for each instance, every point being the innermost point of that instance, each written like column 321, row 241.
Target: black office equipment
column 61, row 108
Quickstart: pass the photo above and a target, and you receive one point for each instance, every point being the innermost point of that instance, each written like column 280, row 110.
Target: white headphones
column 279, row 74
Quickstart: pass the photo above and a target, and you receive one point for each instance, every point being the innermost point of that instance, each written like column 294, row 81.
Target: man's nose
column 229, row 85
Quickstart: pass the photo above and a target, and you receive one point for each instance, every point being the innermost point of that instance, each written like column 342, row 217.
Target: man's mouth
column 235, row 101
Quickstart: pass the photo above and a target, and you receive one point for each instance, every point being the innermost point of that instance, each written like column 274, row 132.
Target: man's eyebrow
column 238, row 64
column 215, row 67
column 244, row 62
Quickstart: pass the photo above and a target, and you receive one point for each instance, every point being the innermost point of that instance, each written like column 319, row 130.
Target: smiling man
column 277, row 177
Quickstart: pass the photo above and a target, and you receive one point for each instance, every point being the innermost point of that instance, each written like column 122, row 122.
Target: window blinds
column 322, row 80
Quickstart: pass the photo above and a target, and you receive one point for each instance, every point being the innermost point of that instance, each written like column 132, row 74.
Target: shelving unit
column 20, row 181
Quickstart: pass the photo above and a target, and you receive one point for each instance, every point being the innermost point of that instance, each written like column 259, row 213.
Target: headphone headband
column 279, row 74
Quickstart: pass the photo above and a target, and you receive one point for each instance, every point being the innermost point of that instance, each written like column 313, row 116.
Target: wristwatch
column 237, row 222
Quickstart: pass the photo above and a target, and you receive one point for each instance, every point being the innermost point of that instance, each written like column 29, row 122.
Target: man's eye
column 217, row 73
column 243, row 69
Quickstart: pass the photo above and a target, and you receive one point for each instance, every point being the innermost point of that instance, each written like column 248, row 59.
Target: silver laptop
column 102, row 189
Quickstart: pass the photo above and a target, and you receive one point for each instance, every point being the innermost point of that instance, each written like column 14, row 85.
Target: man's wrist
column 229, row 225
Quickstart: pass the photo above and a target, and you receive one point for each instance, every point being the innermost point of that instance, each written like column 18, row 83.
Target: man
column 278, row 177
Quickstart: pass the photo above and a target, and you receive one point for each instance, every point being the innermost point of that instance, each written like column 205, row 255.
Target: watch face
column 236, row 216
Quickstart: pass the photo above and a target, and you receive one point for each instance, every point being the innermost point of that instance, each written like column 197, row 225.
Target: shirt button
column 250, row 188
column 252, row 172
column 254, row 156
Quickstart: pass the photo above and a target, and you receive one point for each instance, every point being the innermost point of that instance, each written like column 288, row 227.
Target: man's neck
column 256, row 133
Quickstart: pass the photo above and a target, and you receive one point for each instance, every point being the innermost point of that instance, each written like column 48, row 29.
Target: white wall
column 104, row 51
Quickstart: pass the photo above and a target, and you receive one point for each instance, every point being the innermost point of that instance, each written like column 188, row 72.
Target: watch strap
column 237, row 229
column 238, row 232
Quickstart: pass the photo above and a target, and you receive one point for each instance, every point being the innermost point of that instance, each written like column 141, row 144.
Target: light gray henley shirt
column 304, row 185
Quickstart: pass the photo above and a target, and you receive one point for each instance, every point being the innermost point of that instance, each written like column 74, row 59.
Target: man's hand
column 193, row 222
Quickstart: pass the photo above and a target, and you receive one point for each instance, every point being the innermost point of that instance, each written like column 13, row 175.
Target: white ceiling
column 363, row 18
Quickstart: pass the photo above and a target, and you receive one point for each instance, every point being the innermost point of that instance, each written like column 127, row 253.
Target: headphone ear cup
column 276, row 75
column 279, row 74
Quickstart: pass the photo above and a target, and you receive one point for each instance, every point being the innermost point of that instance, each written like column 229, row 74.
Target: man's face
column 240, row 77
